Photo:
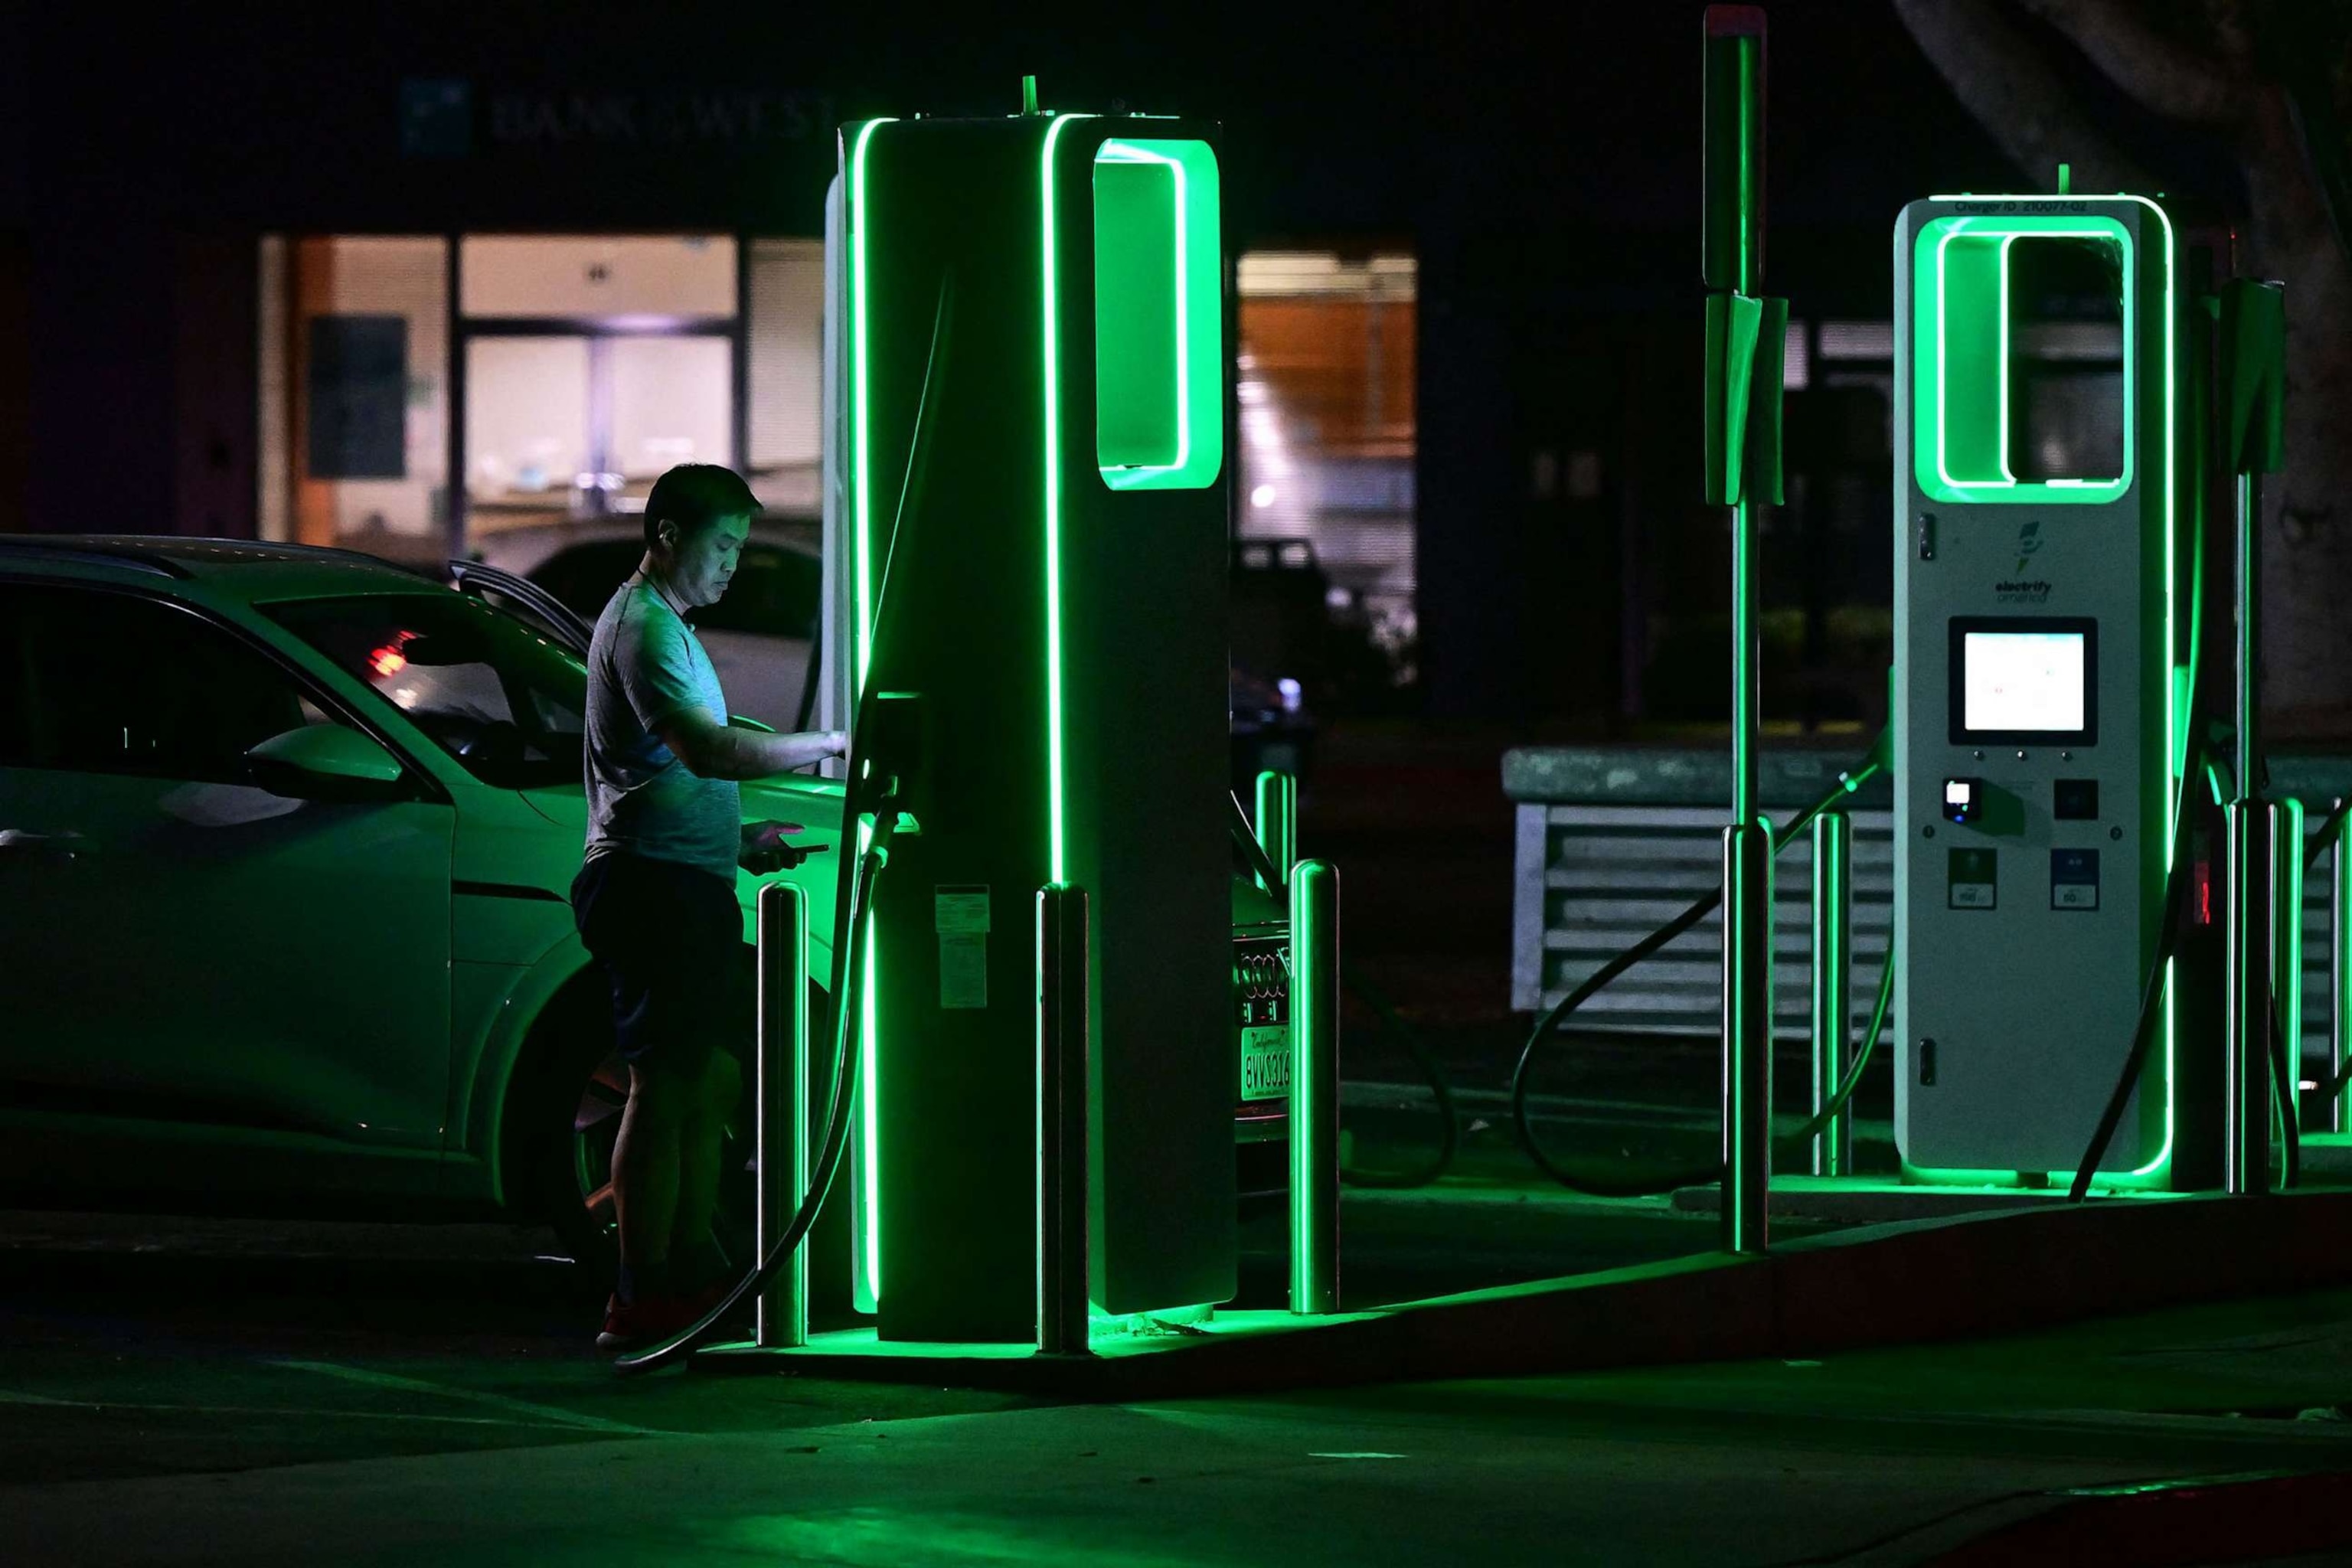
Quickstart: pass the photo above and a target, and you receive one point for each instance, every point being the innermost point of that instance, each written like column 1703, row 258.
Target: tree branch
column 2161, row 74
column 2003, row 81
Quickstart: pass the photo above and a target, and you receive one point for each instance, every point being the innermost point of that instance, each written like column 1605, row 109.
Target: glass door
column 529, row 431
column 573, row 427
column 589, row 364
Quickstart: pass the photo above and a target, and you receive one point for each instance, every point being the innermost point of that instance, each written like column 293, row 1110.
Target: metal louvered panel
column 2318, row 973
column 1595, row 880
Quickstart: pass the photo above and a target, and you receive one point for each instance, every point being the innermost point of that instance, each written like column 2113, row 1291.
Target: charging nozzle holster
column 891, row 745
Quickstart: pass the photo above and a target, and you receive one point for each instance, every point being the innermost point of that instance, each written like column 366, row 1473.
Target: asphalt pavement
column 220, row 1390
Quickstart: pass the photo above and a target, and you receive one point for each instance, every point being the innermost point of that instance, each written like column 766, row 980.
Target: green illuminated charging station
column 1029, row 358
column 2038, row 691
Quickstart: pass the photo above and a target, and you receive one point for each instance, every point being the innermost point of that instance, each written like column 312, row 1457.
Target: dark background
column 1547, row 176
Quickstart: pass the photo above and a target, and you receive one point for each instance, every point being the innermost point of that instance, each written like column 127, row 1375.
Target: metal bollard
column 780, row 1109
column 1278, row 820
column 1746, row 1037
column 1314, row 1088
column 2339, row 965
column 1832, row 985
column 2286, row 945
column 2246, row 990
column 1062, row 1279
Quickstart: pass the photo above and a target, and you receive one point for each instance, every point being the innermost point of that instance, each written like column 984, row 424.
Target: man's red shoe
column 631, row 1325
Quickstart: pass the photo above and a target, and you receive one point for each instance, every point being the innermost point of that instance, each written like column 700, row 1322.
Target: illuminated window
column 1158, row 315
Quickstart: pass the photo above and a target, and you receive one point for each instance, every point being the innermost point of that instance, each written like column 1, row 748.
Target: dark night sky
column 1376, row 123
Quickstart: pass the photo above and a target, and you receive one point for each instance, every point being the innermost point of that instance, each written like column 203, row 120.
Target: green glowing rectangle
column 1159, row 325
column 1966, row 444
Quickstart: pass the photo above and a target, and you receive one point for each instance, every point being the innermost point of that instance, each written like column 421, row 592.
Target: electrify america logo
column 2018, row 589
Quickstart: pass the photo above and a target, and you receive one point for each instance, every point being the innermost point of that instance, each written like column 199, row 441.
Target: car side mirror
column 326, row 761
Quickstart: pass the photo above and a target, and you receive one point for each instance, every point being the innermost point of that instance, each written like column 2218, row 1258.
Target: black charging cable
column 1636, row 1179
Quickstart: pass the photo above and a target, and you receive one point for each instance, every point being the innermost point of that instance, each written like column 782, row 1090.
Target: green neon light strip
column 866, row 1212
column 1051, row 338
column 1942, row 483
column 2001, row 381
column 862, row 488
column 2174, row 738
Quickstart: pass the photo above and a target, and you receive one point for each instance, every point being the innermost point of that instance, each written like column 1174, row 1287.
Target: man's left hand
column 765, row 847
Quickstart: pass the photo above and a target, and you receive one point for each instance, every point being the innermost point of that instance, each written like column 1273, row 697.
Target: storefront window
column 354, row 446
column 1324, row 494
column 786, row 334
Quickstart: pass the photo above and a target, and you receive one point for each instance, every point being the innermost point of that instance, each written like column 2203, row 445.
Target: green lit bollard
column 1746, row 1037
column 2339, row 968
column 1832, row 985
column 781, row 1109
column 1278, row 820
column 1314, row 1088
column 1061, row 1317
column 2286, row 948
column 2253, row 826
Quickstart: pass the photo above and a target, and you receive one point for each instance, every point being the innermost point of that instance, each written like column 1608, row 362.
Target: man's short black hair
column 695, row 495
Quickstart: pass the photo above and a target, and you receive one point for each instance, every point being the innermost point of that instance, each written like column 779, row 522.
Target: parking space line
column 324, row 1413
column 14, row 1396
column 538, row 1414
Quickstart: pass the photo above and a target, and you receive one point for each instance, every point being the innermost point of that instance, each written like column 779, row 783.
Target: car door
column 761, row 636
column 183, row 946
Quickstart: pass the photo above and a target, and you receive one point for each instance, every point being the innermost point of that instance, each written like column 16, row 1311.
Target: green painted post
column 2286, row 946
column 1314, row 1088
column 2252, row 827
column 2253, row 361
column 1832, row 985
column 1746, row 1044
column 2339, row 971
column 781, row 1109
column 1278, row 820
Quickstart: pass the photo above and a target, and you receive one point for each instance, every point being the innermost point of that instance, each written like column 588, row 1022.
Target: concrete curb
column 1963, row 1276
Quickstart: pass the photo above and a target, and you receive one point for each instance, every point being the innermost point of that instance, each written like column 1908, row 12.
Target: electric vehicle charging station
column 1038, row 1017
column 1035, row 391
column 2036, row 710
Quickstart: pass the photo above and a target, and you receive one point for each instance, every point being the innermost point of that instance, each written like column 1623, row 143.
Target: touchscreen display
column 2025, row 683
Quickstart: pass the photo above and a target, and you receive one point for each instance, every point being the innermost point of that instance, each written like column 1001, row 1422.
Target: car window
column 585, row 576
column 100, row 681
column 503, row 699
column 774, row 594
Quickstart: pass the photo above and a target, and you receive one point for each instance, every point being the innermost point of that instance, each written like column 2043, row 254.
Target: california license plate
column 1265, row 1061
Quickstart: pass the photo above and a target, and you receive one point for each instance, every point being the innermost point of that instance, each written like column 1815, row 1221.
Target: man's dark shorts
column 670, row 938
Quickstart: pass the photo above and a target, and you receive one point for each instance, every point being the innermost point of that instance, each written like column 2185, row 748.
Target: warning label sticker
column 960, row 910
column 960, row 916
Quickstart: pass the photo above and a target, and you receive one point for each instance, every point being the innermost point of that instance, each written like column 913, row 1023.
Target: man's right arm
column 714, row 751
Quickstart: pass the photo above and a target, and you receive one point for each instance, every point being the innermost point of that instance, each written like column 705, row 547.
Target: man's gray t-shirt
column 645, row 664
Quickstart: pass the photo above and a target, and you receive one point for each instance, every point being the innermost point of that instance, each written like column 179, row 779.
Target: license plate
column 1266, row 1062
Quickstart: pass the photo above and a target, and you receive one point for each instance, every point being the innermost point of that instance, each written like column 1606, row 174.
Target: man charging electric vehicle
column 654, row 898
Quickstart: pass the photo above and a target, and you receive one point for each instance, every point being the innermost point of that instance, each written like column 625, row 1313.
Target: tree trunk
column 2006, row 84
column 2308, row 525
